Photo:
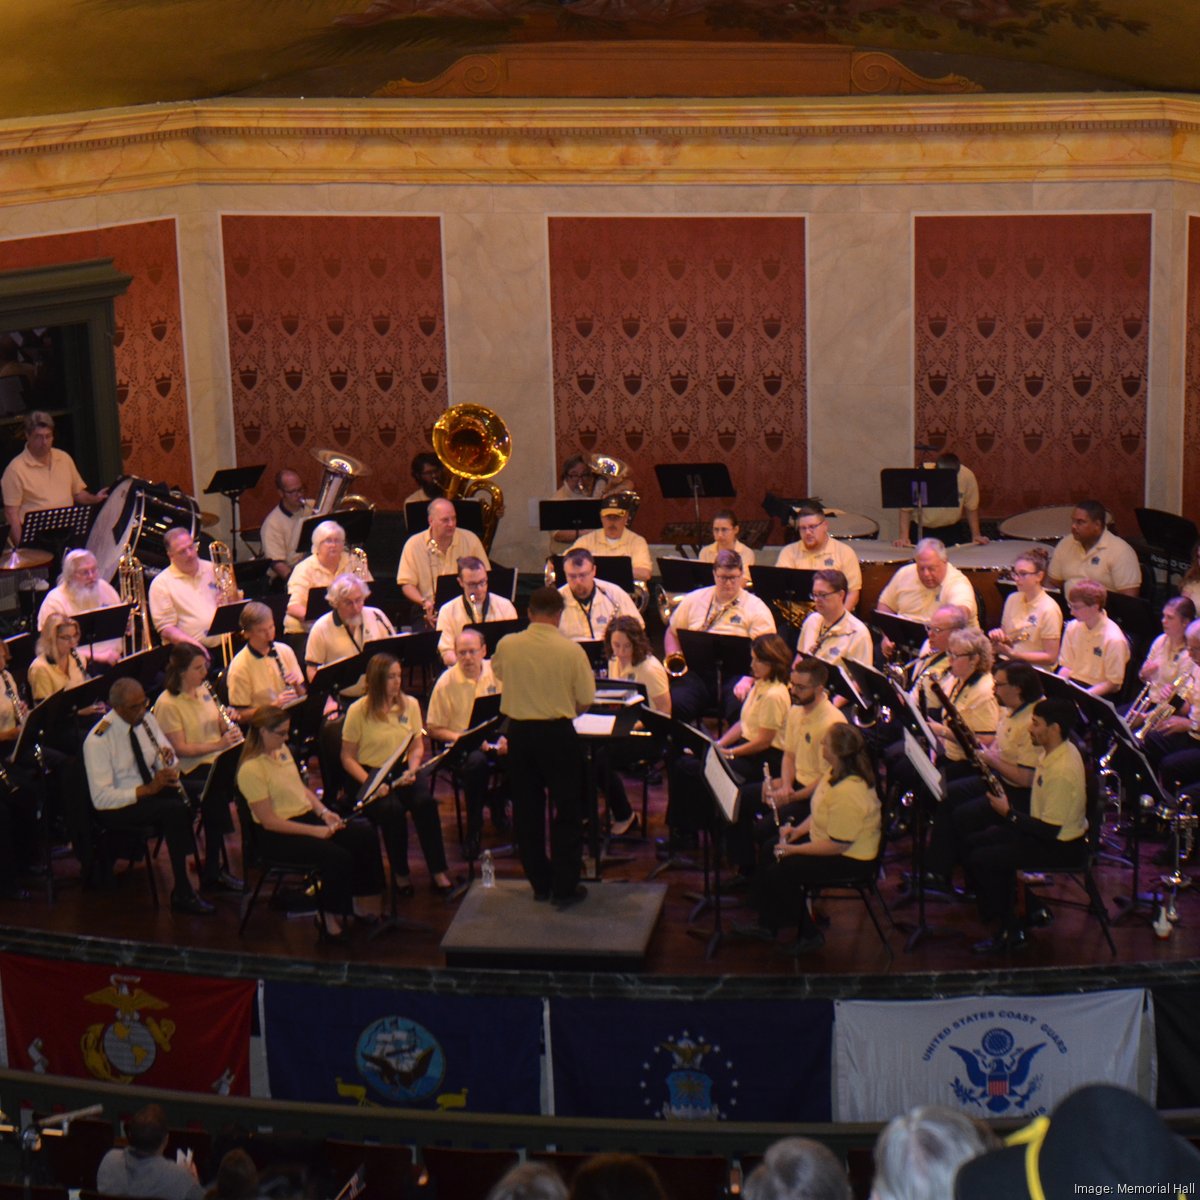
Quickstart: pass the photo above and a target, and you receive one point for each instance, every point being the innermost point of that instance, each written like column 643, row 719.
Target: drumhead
column 110, row 529
column 994, row 556
column 1049, row 524
column 882, row 552
column 846, row 525
column 139, row 514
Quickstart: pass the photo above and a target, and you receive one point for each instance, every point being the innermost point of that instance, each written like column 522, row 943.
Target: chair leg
column 865, row 891
column 1098, row 908
column 150, row 880
column 250, row 901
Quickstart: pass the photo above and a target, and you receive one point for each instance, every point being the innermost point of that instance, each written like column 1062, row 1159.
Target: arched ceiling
column 78, row 55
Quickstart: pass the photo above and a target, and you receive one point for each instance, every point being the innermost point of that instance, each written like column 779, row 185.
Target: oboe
column 965, row 736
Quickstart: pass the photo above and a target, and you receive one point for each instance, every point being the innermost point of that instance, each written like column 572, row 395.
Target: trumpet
column 1153, row 716
column 225, row 716
column 132, row 579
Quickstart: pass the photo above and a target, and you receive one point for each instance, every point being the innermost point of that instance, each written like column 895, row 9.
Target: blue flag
column 721, row 1060
column 403, row 1049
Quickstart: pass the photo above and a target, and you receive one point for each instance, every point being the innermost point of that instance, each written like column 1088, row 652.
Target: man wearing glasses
column 816, row 550
column 831, row 632
column 280, row 531
column 1095, row 652
column 184, row 597
column 925, row 584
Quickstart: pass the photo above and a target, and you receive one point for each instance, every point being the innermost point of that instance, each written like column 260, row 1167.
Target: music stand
column 147, row 667
column 57, row 529
column 409, row 649
column 227, row 621
column 22, row 647
column 317, row 605
column 106, row 624
column 501, row 581
column 355, row 523
column 907, row 634
column 918, row 488
column 578, row 515
column 594, row 649
column 50, row 713
column 469, row 514
column 684, row 574
column 678, row 481
column 778, row 587
column 782, row 507
column 231, row 482
column 616, row 569
column 493, row 631
column 251, row 572
column 723, row 654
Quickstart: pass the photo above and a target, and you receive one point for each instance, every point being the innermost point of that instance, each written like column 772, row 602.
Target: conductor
column 547, row 683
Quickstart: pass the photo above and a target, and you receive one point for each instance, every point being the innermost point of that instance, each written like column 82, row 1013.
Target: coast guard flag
column 403, row 1049
column 675, row 1061
column 989, row 1056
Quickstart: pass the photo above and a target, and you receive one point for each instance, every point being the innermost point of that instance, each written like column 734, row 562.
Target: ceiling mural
column 126, row 52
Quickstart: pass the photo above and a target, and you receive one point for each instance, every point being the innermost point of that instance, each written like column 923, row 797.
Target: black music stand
column 780, row 586
column 722, row 654
column 579, row 515
column 226, row 622
column 493, row 631
column 355, row 523
column 22, row 647
column 408, row 649
column 102, row 624
column 678, row 481
column 317, row 605
column 47, row 715
column 782, row 507
column 251, row 572
column 594, row 649
column 908, row 635
column 58, row 530
column 918, row 488
column 616, row 569
column 623, row 721
column 468, row 512
column 232, row 482
column 684, row 574
column 501, row 581
column 147, row 667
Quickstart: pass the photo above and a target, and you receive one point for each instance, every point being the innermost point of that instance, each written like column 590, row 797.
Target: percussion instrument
column 25, row 560
column 138, row 515
column 982, row 565
column 847, row 525
column 1050, row 524
column 208, row 520
column 880, row 561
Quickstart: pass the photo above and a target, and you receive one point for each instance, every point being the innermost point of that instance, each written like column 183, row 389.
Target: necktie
column 139, row 757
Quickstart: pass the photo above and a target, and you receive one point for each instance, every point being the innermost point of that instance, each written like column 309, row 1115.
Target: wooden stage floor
column 852, row 960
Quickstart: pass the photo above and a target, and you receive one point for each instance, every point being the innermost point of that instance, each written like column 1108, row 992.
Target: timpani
column 983, row 564
column 845, row 526
column 879, row 561
column 1048, row 525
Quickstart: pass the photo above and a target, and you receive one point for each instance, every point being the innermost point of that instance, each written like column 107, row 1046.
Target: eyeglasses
column 962, row 653
column 939, row 629
column 823, row 595
column 811, row 525
column 727, row 577
column 1025, row 574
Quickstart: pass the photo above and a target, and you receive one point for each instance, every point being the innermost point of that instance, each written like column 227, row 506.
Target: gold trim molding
column 855, row 140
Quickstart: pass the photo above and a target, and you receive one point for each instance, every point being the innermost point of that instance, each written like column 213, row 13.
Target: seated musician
column 41, row 477
column 578, row 482
column 450, row 705
column 933, row 661
column 753, row 743
column 294, row 826
column 264, row 671
column 810, row 717
column 58, row 664
column 1011, row 758
column 475, row 606
column 1050, row 835
column 952, row 526
column 1092, row 552
column 831, row 632
column 590, row 604
column 725, row 531
column 817, row 551
column 1174, row 745
column 842, row 828
column 615, row 540
column 328, row 560
column 1031, row 623
column 434, row 552
column 280, row 529
column 1094, row 650
column 19, row 801
column 184, row 598
column 430, row 477
column 346, row 629
column 970, row 690
column 79, row 590
column 627, row 649
column 1167, row 662
column 920, row 587
column 725, row 608
column 131, row 787
column 195, row 730
column 376, row 726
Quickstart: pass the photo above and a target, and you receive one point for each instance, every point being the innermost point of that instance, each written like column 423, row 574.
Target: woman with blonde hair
column 58, row 664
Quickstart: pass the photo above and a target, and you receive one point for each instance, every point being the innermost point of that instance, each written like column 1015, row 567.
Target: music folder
column 102, row 624
column 707, row 653
column 724, row 784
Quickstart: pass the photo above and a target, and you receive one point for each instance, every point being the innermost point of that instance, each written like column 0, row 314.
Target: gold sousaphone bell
column 473, row 444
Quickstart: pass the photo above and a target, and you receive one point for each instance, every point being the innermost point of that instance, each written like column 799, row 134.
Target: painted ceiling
column 76, row 55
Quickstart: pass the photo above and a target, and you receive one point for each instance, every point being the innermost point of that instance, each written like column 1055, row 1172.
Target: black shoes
column 191, row 904
column 758, row 933
column 224, row 882
column 573, row 898
column 1005, row 942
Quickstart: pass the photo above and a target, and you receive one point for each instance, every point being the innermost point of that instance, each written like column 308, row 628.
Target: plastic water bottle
column 487, row 870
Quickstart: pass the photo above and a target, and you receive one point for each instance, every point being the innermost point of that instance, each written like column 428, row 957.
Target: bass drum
column 139, row 513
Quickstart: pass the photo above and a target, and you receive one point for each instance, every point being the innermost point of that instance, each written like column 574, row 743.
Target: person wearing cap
column 1100, row 1141
column 616, row 540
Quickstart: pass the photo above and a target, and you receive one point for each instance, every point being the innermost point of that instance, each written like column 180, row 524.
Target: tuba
column 473, row 444
column 338, row 472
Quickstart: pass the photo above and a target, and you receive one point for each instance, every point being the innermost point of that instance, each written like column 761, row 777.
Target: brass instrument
column 1165, row 708
column 227, row 589
column 792, row 612
column 604, row 466
column 358, row 563
column 337, row 473
column 675, row 664
column 226, row 719
column 473, row 444
column 132, row 582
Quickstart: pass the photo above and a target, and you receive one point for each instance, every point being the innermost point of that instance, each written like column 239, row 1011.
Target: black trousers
column 168, row 814
column 214, row 819
column 391, row 815
column 964, row 812
column 694, row 694
column 546, row 762
column 348, row 863
column 997, row 853
column 780, row 893
column 474, row 774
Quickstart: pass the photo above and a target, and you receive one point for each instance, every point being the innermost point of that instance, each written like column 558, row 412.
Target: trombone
column 227, row 589
column 132, row 581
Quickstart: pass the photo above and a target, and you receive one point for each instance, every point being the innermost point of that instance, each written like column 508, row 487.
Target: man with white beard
column 80, row 590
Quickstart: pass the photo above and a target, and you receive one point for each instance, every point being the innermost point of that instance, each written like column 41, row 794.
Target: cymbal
column 208, row 520
column 24, row 560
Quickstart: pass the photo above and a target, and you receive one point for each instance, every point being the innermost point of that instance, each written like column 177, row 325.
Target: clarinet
column 78, row 661
column 964, row 735
column 283, row 679
column 168, row 758
column 225, row 717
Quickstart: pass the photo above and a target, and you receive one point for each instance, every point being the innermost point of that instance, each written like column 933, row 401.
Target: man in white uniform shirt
column 615, row 540
column 725, row 608
column 590, row 603
column 434, row 552
column 917, row 590
column 816, row 550
column 80, row 590
column 1091, row 552
column 475, row 606
column 184, row 598
column 280, row 529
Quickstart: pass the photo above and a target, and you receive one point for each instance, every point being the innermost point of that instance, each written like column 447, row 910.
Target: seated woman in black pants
column 376, row 725
column 296, row 827
column 844, row 824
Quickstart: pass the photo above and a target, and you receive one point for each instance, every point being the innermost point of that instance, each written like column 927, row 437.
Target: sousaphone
column 473, row 444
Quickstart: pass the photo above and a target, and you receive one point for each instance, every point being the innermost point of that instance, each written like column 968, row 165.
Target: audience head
column 147, row 1129
column 798, row 1168
column 616, row 1177
column 918, row 1154
column 1097, row 1139
column 529, row 1181
column 237, row 1177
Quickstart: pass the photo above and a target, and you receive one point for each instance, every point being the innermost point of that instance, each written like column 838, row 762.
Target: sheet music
column 590, row 724
column 919, row 757
column 724, row 786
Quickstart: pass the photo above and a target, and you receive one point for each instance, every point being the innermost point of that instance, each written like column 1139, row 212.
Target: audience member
column 529, row 1181
column 237, row 1178
column 919, row 1153
column 616, row 1177
column 140, row 1169
column 798, row 1168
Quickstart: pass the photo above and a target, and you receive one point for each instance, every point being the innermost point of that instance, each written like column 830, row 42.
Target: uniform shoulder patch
column 102, row 728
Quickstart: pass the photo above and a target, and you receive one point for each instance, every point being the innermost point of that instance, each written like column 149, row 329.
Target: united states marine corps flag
column 124, row 1026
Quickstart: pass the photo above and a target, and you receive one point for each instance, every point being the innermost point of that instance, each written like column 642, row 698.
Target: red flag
column 122, row 1024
